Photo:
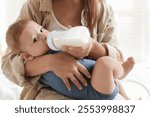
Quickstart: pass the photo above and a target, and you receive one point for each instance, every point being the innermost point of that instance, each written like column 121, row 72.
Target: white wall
column 2, row 23
column 9, row 12
column 133, row 27
column 12, row 9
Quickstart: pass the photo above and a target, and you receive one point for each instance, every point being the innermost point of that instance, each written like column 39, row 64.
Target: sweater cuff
column 114, row 53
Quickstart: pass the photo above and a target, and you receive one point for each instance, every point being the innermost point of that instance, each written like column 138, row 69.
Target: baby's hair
column 13, row 35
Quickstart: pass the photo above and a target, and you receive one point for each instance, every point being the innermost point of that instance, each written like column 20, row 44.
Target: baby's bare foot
column 127, row 66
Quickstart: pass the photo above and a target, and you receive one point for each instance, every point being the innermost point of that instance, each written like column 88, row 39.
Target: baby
column 28, row 39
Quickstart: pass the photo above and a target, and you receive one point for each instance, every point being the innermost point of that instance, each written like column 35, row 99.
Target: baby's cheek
column 43, row 50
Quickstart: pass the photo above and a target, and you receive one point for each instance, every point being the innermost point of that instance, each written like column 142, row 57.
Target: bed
column 136, row 84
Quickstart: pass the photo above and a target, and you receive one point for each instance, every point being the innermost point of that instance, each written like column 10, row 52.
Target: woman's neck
column 67, row 12
column 69, row 3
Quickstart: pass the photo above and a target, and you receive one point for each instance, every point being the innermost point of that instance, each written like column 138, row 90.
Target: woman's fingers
column 66, row 82
column 76, row 82
column 74, row 51
column 80, row 77
column 64, row 48
column 83, row 70
column 71, row 48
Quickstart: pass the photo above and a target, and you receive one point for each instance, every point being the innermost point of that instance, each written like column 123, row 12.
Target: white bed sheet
column 137, row 84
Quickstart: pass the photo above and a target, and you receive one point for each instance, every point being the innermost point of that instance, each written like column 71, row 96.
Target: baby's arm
column 38, row 65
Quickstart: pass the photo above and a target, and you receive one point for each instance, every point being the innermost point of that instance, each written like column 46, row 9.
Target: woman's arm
column 106, row 34
column 105, row 41
column 93, row 49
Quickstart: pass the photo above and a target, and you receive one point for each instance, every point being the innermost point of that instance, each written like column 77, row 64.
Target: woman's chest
column 67, row 15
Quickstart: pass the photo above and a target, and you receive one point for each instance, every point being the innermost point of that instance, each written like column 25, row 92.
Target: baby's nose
column 42, row 36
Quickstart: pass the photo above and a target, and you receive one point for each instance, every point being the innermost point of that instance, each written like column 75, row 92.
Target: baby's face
column 33, row 39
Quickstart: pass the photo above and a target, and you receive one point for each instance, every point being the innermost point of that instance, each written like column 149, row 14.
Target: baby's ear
column 26, row 56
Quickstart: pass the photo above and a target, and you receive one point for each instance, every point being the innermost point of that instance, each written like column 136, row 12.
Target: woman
column 60, row 15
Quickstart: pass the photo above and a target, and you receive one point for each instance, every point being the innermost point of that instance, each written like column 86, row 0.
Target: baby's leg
column 104, row 72
column 122, row 91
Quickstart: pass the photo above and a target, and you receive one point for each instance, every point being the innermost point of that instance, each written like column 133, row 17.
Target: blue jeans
column 87, row 93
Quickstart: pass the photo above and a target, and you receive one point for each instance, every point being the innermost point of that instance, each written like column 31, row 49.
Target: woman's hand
column 78, row 52
column 67, row 67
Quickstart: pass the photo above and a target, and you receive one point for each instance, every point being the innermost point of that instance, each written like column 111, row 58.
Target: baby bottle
column 76, row 36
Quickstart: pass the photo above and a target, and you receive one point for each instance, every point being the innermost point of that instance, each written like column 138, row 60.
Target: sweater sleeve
column 13, row 67
column 106, row 32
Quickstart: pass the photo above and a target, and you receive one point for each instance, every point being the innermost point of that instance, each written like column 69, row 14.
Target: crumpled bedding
column 136, row 84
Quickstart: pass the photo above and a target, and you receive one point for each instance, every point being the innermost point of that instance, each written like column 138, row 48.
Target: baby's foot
column 127, row 66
